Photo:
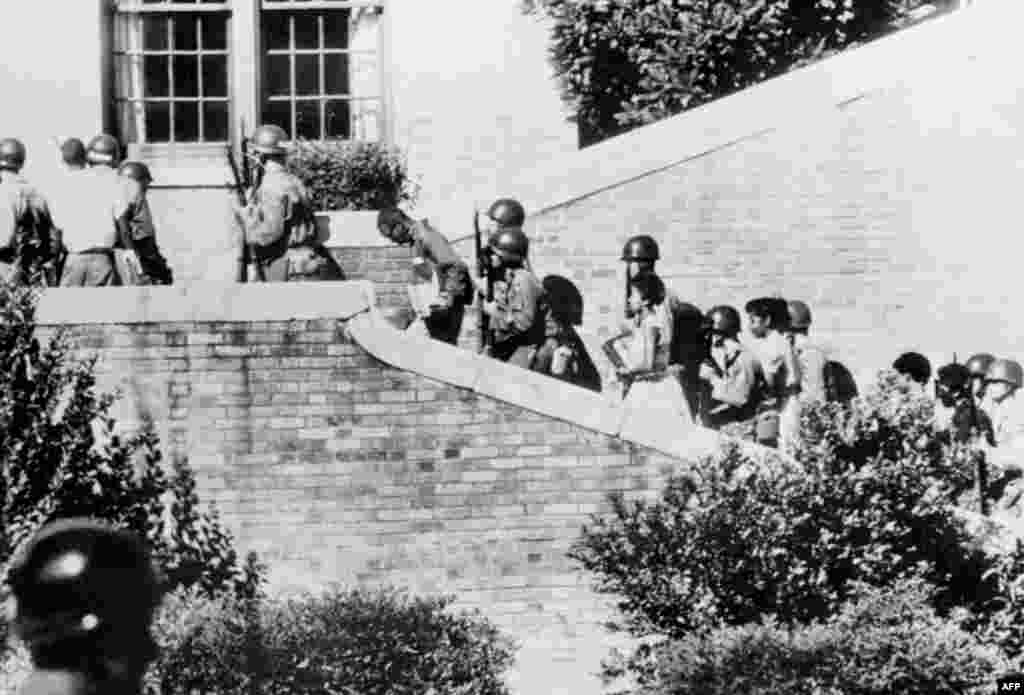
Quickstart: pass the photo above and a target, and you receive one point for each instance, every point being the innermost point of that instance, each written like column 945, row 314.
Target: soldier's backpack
column 840, row 386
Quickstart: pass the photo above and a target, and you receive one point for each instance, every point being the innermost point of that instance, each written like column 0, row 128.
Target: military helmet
column 510, row 244
column 72, row 151
column 799, row 314
column 978, row 364
column 12, row 154
column 137, row 171
column 1005, row 370
column 640, row 248
column 268, row 139
column 80, row 578
column 104, row 149
column 507, row 213
column 724, row 320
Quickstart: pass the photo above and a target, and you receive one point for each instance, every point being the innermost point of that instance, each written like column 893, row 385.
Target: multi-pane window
column 321, row 68
column 172, row 71
column 192, row 75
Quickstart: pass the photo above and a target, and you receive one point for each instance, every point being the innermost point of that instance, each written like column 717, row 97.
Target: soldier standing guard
column 277, row 221
column 517, row 311
column 29, row 245
column 688, row 349
column 91, row 218
column 83, row 600
column 140, row 236
column 444, row 320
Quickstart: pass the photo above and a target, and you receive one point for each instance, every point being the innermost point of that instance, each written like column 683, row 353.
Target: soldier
column 29, row 245
column 811, row 359
column 978, row 366
column 517, row 311
column 140, row 236
column 731, row 372
column 688, row 349
column 436, row 256
column 83, row 598
column 563, row 354
column 91, row 218
column 769, row 320
column 277, row 222
column 956, row 412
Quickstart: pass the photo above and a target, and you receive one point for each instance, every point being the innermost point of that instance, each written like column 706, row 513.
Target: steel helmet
column 137, row 171
column 511, row 244
column 507, row 213
column 640, row 248
column 978, row 364
column 1008, row 371
column 72, row 151
column 12, row 154
column 269, row 139
column 799, row 314
column 724, row 320
column 80, row 578
column 104, row 149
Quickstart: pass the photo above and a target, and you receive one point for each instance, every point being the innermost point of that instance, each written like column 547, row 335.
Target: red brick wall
column 336, row 467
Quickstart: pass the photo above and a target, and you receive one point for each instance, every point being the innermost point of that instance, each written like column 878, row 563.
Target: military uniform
column 279, row 227
column 138, row 219
column 444, row 323
column 517, row 328
column 88, row 217
column 28, row 242
column 734, row 388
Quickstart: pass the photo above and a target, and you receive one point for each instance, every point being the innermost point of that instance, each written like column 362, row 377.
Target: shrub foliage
column 624, row 63
column 352, row 175
column 59, row 457
column 869, row 498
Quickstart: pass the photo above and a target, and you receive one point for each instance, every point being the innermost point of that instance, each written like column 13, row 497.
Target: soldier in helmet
column 978, row 366
column 277, row 222
column 688, row 349
column 730, row 372
column 563, row 354
column 1005, row 407
column 518, row 309
column 29, row 245
column 434, row 254
column 72, row 154
column 138, row 223
column 91, row 216
column 83, row 598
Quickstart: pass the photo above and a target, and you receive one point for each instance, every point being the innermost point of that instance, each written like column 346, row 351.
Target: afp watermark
column 1010, row 683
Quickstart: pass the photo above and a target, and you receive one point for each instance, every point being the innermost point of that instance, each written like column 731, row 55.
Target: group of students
column 94, row 229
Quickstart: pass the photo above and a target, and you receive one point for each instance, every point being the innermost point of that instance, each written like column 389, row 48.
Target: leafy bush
column 624, row 63
column 870, row 498
column 59, row 458
column 885, row 641
column 372, row 643
column 352, row 175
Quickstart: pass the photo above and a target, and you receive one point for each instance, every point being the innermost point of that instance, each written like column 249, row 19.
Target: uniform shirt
column 778, row 365
column 140, row 218
column 811, row 361
column 740, row 374
column 518, row 297
column 88, row 211
column 18, row 197
column 277, row 205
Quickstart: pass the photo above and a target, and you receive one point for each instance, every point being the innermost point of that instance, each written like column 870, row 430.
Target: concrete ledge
column 206, row 301
column 643, row 424
column 939, row 46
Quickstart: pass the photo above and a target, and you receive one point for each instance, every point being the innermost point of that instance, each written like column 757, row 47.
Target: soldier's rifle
column 483, row 269
column 241, row 178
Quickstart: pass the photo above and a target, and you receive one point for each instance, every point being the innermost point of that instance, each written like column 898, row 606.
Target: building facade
column 464, row 89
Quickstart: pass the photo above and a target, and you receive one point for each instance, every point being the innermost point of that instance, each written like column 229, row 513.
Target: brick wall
column 876, row 186
column 337, row 467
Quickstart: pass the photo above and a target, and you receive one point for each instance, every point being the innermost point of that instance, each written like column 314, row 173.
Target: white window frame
column 245, row 80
